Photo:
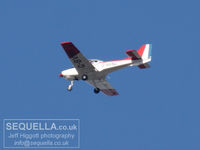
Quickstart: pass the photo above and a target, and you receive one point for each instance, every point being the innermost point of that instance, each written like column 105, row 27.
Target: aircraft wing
column 82, row 65
column 104, row 86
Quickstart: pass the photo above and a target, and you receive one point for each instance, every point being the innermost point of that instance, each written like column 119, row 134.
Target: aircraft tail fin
column 143, row 53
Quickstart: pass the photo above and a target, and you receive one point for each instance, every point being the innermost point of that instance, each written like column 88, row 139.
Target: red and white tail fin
column 144, row 54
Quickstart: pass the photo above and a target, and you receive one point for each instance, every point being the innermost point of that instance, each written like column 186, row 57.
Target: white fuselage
column 102, row 68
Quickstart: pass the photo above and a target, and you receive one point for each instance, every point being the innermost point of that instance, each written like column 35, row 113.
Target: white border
column 41, row 147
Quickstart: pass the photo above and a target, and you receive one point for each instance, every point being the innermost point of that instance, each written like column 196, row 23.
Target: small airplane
column 94, row 71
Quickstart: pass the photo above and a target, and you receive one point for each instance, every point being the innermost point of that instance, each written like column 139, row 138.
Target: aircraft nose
column 60, row 75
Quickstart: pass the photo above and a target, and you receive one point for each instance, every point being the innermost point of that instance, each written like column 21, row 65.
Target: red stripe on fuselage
column 116, row 60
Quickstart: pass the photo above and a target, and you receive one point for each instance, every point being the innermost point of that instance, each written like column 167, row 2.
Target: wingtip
column 63, row 43
column 70, row 49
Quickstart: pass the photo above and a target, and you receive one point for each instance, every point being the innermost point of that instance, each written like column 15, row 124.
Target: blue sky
column 158, row 108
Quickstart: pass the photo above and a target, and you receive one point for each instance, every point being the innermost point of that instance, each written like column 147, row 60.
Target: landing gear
column 96, row 90
column 69, row 88
column 84, row 77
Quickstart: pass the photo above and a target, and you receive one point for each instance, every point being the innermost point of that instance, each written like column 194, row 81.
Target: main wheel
column 69, row 88
column 96, row 90
column 84, row 77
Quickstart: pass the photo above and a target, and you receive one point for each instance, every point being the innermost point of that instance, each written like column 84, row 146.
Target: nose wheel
column 69, row 88
column 96, row 90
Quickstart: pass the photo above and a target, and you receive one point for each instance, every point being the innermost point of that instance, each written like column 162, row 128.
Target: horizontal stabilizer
column 143, row 66
column 133, row 54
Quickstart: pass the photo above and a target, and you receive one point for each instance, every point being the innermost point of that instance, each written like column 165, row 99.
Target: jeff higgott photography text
column 52, row 133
